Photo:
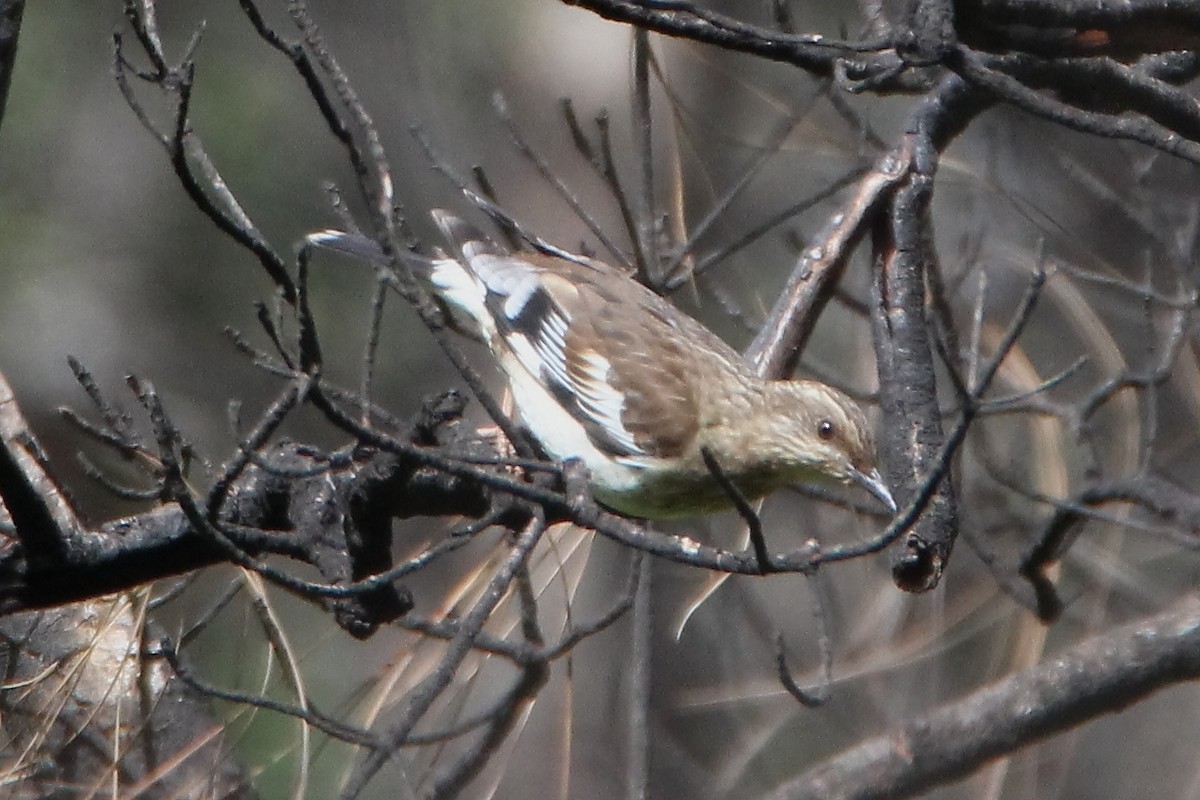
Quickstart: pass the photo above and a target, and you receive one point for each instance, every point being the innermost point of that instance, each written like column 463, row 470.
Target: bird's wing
column 640, row 358
column 602, row 345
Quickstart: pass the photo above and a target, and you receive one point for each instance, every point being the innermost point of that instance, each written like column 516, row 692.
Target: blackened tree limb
column 1087, row 13
column 912, row 433
column 39, row 510
column 917, row 41
column 1104, row 675
column 990, row 74
column 691, row 22
column 279, row 505
column 776, row 349
column 924, row 30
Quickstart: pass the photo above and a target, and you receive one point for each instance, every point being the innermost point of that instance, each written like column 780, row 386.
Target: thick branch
column 691, row 22
column 1102, row 676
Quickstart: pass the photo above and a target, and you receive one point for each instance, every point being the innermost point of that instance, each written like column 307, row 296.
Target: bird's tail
column 354, row 245
column 457, row 291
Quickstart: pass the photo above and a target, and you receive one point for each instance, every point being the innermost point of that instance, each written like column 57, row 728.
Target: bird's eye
column 826, row 429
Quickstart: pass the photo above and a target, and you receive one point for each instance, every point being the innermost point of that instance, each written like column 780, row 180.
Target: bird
column 603, row 370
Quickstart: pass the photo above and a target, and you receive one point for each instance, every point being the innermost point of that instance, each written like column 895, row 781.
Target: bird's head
column 814, row 429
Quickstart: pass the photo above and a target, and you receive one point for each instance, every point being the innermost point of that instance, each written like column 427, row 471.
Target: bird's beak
column 873, row 483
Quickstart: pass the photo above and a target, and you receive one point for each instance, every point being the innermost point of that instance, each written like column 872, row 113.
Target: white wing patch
column 504, row 275
column 476, row 248
column 519, row 296
column 545, row 355
column 526, row 353
column 463, row 292
column 561, row 434
column 601, row 401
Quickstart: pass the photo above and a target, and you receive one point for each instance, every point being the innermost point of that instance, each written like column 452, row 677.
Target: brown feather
column 650, row 364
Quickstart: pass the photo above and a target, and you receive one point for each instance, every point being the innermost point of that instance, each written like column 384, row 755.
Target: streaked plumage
column 604, row 370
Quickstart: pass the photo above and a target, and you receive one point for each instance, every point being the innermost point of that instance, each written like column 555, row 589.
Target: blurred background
column 102, row 256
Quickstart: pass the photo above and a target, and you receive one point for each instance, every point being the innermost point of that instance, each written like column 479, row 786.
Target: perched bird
column 604, row 370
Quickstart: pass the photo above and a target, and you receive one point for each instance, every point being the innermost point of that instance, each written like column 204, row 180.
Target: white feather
column 561, row 435
column 463, row 291
column 519, row 296
column 601, row 401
